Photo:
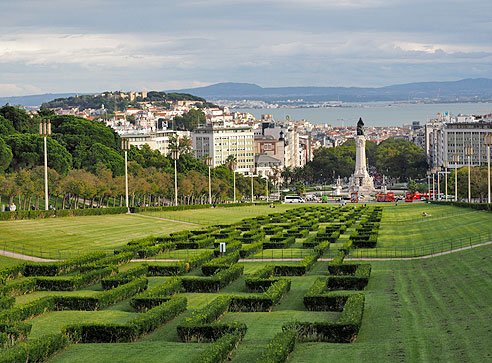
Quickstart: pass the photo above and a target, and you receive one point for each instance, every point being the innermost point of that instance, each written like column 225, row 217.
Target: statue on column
column 360, row 127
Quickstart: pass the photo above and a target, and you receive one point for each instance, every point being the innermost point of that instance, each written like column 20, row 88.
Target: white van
column 293, row 199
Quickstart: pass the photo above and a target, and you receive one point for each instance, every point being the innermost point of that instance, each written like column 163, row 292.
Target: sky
column 56, row 46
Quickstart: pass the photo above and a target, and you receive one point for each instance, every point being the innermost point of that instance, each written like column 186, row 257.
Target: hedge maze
column 157, row 295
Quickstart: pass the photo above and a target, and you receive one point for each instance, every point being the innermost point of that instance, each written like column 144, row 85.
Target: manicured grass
column 221, row 215
column 433, row 310
column 44, row 237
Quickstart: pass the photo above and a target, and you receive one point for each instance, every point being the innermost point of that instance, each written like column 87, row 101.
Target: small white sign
column 222, row 247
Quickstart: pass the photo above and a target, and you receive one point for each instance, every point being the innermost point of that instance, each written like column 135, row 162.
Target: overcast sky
column 97, row 45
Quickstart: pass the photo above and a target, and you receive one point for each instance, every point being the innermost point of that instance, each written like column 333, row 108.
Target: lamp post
column 433, row 172
column 446, row 167
column 487, row 141
column 125, row 146
column 45, row 131
column 266, row 188
column 456, row 160
column 428, row 184
column 234, row 166
column 252, row 196
column 438, row 169
column 175, row 157
column 469, row 153
column 209, row 162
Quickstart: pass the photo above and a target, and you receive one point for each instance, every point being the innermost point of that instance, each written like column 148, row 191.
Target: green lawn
column 433, row 310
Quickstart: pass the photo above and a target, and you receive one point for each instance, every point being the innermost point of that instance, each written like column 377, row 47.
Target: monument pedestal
column 361, row 182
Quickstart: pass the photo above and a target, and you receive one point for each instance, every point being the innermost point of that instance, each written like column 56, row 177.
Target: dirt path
column 20, row 256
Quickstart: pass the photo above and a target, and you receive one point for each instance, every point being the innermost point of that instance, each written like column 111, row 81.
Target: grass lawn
column 44, row 237
column 433, row 310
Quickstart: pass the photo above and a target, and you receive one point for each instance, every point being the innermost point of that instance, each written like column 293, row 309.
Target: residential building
column 156, row 140
column 219, row 140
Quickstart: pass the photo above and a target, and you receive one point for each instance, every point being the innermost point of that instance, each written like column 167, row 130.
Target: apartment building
column 157, row 140
column 221, row 139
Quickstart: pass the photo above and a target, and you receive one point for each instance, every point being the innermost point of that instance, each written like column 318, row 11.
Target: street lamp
column 456, row 160
column 234, row 166
column 125, row 146
column 433, row 172
column 175, row 157
column 209, row 163
column 469, row 153
column 446, row 167
column 252, row 196
column 45, row 131
column 487, row 141
column 438, row 169
column 428, row 184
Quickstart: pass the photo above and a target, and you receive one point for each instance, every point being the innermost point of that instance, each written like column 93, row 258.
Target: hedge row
column 219, row 263
column 180, row 267
column 318, row 298
column 252, row 236
column 129, row 332
column 263, row 302
column 61, row 267
column 213, row 283
column 231, row 247
column 279, row 242
column 27, row 311
column 71, row 283
column 279, row 348
column 261, row 280
column 36, row 350
column 115, row 260
column 201, row 325
column 222, row 348
column 195, row 244
column 299, row 269
column 154, row 250
column 37, row 214
column 345, row 330
column 250, row 249
column 157, row 295
column 124, row 277
column 102, row 300
column 12, row 333
column 20, row 287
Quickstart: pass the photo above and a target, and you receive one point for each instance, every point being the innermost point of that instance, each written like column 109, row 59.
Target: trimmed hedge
column 296, row 270
column 285, row 242
column 231, row 247
column 12, row 333
column 62, row 267
column 279, row 348
column 131, row 331
column 261, row 280
column 27, row 311
column 38, row 214
column 263, row 302
column 102, row 300
column 12, row 272
column 174, row 269
column 219, row 263
column 213, row 283
column 345, row 330
column 195, row 244
column 124, row 277
column 222, row 348
column 20, row 287
column 149, row 251
column 36, row 350
column 157, row 295
column 71, row 283
column 250, row 249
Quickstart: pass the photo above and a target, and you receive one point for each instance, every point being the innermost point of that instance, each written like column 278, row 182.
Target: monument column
column 360, row 181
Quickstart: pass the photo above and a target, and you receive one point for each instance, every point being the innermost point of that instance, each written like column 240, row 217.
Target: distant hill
column 466, row 89
column 33, row 100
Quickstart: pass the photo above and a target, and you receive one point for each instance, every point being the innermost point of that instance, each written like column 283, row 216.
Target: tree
column 21, row 121
column 190, row 120
column 5, row 155
column 300, row 188
column 28, row 151
column 101, row 154
column 6, row 127
column 412, row 186
column 401, row 159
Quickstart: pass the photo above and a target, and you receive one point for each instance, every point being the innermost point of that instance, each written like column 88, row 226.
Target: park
column 361, row 282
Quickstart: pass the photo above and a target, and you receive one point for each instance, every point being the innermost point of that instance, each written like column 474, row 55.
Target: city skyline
column 57, row 46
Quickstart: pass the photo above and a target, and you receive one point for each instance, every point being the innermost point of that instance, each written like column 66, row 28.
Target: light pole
column 433, row 172
column 233, row 166
column 252, row 196
column 267, row 188
column 456, row 160
column 469, row 153
column 438, row 169
column 125, row 146
column 487, row 141
column 428, row 184
column 175, row 157
column 209, row 162
column 45, row 131
column 446, row 166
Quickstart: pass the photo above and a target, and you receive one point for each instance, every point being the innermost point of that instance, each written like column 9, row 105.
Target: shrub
column 288, row 241
column 62, row 267
column 279, row 348
column 129, row 332
column 250, row 249
column 36, row 350
column 174, row 269
column 71, row 283
column 219, row 263
column 263, row 302
column 213, row 283
column 102, row 300
column 12, row 272
column 124, row 277
column 221, row 349
column 154, row 250
column 157, row 295
column 27, row 311
column 261, row 279
column 231, row 247
column 12, row 333
column 20, row 287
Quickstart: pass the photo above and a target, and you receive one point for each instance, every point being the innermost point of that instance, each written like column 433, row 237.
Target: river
column 373, row 114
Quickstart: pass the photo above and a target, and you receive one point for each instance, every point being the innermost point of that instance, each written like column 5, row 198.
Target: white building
column 219, row 140
column 157, row 140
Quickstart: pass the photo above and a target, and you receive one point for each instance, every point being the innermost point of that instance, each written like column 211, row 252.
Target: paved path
column 20, row 256
column 163, row 219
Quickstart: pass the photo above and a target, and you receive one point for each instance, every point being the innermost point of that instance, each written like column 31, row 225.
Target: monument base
column 362, row 185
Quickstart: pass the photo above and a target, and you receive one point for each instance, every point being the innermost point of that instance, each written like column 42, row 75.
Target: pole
column 267, row 189
column 438, row 186
column 126, row 181
column 234, row 178
column 455, row 181
column 469, row 178
column 175, row 184
column 252, row 188
column 488, row 173
column 433, row 187
column 446, row 181
column 46, row 207
column 209, row 187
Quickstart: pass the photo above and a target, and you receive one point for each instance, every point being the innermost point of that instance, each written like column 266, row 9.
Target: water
column 373, row 114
